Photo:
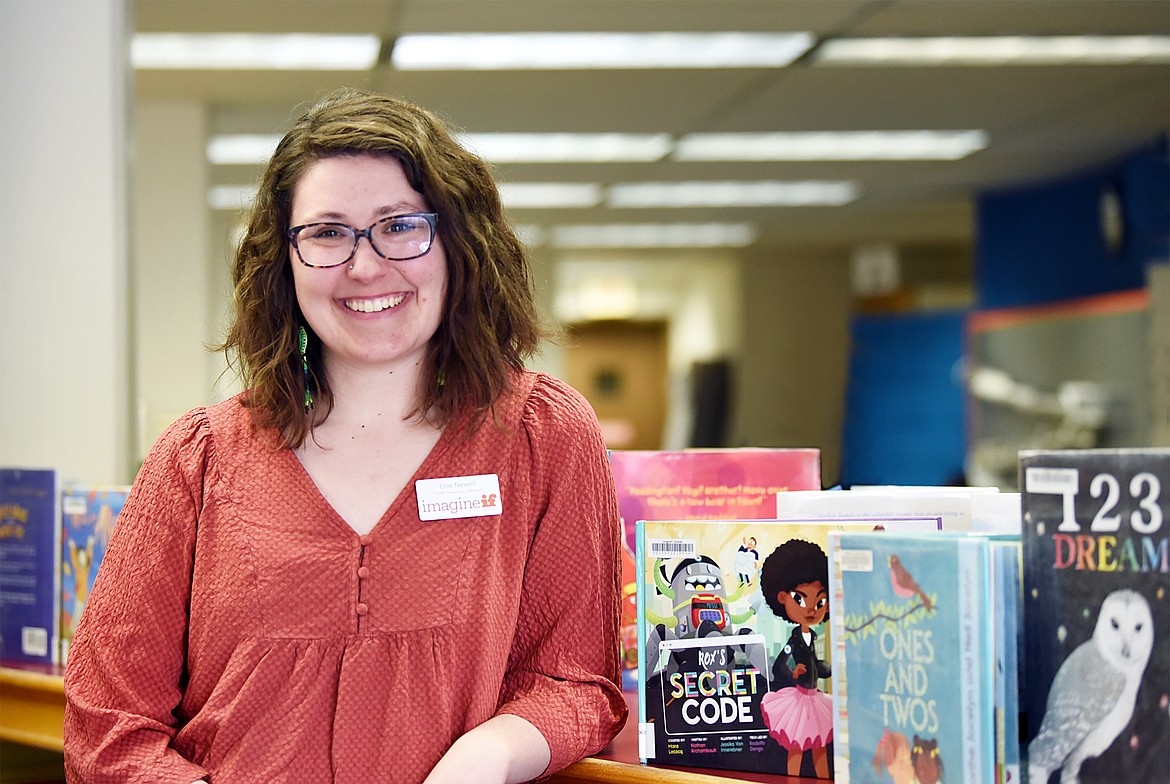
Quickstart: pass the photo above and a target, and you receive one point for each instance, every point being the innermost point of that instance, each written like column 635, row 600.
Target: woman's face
column 806, row 604
column 369, row 311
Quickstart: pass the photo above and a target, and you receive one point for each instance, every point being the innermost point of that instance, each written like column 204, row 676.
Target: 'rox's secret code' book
column 1096, row 680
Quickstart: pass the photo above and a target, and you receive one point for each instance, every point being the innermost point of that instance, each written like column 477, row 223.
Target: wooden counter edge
column 602, row 771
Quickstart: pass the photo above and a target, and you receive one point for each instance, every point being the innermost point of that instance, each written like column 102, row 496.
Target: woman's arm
column 505, row 749
column 563, row 671
column 126, row 663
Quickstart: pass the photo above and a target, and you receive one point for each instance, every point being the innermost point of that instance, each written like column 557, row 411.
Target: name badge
column 458, row 496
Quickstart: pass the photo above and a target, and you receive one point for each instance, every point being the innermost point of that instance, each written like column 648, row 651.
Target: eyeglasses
column 397, row 238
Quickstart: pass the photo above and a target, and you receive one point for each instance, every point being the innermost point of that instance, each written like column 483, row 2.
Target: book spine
column 645, row 729
column 973, row 658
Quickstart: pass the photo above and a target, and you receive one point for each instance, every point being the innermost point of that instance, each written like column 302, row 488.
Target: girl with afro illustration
column 795, row 583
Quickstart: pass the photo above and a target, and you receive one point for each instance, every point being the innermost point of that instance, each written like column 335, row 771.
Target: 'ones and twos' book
column 913, row 659
column 1096, row 680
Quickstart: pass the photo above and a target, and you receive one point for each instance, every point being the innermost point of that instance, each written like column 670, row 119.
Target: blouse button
column 362, row 608
column 363, row 572
column 364, row 541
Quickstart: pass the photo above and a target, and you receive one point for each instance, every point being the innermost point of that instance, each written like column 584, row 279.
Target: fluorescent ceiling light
column 522, row 51
column 651, row 235
column 536, row 195
column 243, row 51
column 241, row 148
column 995, row 50
column 567, row 147
column 830, row 146
column 768, row 193
column 231, row 197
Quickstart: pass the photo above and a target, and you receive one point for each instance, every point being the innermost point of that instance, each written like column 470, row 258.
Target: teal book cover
column 914, row 663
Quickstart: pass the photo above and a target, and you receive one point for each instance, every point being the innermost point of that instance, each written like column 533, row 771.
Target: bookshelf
column 32, row 709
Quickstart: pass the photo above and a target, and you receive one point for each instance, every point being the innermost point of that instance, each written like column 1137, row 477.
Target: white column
column 66, row 372
column 171, row 264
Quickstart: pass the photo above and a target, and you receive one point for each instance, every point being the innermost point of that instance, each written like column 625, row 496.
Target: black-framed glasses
column 397, row 238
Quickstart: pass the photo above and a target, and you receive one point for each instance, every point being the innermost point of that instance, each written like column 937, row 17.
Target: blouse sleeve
column 563, row 671
column 123, row 680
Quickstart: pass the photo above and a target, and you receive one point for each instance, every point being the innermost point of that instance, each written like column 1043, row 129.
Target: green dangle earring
column 303, row 343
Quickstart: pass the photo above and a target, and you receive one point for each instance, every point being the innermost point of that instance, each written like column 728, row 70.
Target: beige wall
column 791, row 371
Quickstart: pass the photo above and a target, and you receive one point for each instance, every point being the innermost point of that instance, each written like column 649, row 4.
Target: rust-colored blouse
column 240, row 630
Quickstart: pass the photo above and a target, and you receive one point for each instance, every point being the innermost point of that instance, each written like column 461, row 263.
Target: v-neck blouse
column 240, row 630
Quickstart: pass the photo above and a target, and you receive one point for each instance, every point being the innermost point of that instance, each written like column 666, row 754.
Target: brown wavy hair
column 489, row 325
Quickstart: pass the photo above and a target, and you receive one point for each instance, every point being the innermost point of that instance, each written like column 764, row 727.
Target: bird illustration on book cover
column 1093, row 695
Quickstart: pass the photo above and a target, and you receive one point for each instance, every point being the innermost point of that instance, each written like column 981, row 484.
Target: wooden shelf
column 32, row 712
column 33, row 699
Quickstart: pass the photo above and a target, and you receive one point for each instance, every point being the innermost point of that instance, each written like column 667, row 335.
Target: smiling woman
column 395, row 556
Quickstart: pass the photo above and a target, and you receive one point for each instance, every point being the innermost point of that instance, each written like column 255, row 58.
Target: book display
column 29, row 532
column 736, row 665
column 859, row 649
column 914, row 686
column 1096, row 615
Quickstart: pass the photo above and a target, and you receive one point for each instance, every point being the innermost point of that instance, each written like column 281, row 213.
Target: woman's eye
column 796, row 597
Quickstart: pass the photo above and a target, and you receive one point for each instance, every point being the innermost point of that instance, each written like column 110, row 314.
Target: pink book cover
column 699, row 484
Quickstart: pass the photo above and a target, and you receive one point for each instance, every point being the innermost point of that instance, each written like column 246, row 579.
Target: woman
column 395, row 557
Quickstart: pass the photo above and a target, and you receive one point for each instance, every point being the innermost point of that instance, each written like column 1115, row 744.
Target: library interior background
column 916, row 235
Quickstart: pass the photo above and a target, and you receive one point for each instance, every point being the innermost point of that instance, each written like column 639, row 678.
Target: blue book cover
column 1007, row 590
column 913, row 678
column 1096, row 615
column 29, row 529
column 88, row 515
column 735, row 670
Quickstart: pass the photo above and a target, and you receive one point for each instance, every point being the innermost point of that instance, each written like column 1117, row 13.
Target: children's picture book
column 913, row 679
column 88, row 515
column 708, row 484
column 1007, row 593
column 735, row 669
column 29, row 530
column 700, row 484
column 1096, row 574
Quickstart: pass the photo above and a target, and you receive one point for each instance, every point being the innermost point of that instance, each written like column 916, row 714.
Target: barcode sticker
column 671, row 548
column 646, row 741
column 34, row 641
column 74, row 505
column 856, row 560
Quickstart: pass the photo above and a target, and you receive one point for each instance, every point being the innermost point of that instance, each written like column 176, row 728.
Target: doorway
column 621, row 369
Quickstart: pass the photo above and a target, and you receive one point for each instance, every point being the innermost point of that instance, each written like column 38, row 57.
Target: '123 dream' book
column 1096, row 687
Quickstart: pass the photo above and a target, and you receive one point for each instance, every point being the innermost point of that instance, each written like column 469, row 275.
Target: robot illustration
column 701, row 609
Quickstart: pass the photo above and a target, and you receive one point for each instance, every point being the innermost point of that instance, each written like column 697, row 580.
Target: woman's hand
column 505, row 749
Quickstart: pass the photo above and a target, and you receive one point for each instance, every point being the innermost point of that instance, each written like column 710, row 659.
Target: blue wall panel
column 904, row 402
